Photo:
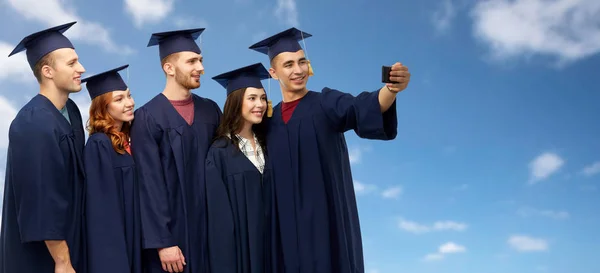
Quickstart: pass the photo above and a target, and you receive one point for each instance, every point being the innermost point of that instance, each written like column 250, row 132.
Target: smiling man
column 43, row 196
column 170, row 137
column 316, row 207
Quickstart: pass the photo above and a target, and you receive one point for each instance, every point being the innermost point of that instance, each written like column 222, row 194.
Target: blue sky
column 496, row 167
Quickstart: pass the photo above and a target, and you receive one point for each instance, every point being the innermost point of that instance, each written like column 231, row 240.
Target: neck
column 246, row 131
column 289, row 95
column 119, row 125
column 56, row 96
column 174, row 91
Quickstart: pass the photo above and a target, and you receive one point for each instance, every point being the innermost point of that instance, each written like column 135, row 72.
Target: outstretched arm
column 387, row 94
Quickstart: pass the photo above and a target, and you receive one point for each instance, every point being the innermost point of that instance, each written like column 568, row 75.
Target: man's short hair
column 48, row 59
column 169, row 59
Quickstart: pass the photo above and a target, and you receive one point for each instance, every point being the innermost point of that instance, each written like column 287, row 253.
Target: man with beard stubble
column 170, row 137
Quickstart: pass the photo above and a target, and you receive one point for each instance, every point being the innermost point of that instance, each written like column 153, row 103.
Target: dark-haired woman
column 112, row 205
column 238, row 182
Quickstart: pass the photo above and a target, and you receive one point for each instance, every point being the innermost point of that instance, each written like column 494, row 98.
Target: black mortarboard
column 248, row 76
column 38, row 44
column 176, row 41
column 105, row 82
column 285, row 41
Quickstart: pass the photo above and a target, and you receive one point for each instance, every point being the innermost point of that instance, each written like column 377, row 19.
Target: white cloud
column 413, row 227
column 148, row 11
column 355, row 155
column 14, row 68
column 590, row 170
column 450, row 247
column 362, row 189
column 544, row 166
column 449, row 225
column 433, row 257
column 557, row 215
column 443, row 16
column 417, row 228
column 566, row 29
column 52, row 13
column 392, row 193
column 286, row 12
column 7, row 113
column 83, row 102
column 524, row 243
column 443, row 250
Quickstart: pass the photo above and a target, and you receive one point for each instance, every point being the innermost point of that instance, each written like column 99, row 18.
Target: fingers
column 182, row 257
column 404, row 77
column 178, row 266
column 174, row 261
column 396, row 66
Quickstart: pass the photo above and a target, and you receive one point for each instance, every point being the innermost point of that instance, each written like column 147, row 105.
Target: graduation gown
column 239, row 211
column 44, row 188
column 112, row 209
column 316, row 206
column 169, row 155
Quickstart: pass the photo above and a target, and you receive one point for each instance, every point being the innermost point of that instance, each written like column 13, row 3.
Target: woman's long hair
column 232, row 121
column 101, row 122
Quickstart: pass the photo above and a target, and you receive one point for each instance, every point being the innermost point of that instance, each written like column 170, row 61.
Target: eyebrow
column 292, row 61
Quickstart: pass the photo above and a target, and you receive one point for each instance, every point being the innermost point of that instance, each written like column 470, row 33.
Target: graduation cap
column 38, row 44
column 248, row 76
column 105, row 82
column 285, row 41
column 176, row 41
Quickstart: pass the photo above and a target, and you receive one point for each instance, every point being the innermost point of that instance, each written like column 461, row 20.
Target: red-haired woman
column 112, row 204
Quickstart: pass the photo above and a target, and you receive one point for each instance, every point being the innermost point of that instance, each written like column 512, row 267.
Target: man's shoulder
column 204, row 100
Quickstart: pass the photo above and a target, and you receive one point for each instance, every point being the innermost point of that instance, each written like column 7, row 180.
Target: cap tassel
column 269, row 108
column 310, row 70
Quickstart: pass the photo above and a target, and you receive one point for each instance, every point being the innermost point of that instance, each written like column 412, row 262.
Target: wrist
column 390, row 90
column 62, row 263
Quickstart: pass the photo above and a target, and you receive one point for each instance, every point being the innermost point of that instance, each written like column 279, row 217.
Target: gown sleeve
column 154, row 205
column 106, row 244
column 361, row 113
column 41, row 188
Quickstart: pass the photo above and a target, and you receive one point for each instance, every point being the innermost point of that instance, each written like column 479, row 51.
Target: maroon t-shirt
column 287, row 108
column 185, row 108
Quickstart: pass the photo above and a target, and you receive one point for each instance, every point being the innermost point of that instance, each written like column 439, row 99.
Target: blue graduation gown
column 316, row 206
column 239, row 211
column 169, row 155
column 112, row 209
column 44, row 188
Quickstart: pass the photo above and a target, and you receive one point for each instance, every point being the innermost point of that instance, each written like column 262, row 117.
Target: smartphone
column 385, row 74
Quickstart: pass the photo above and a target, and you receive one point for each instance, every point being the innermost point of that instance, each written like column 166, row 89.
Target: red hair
column 101, row 122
